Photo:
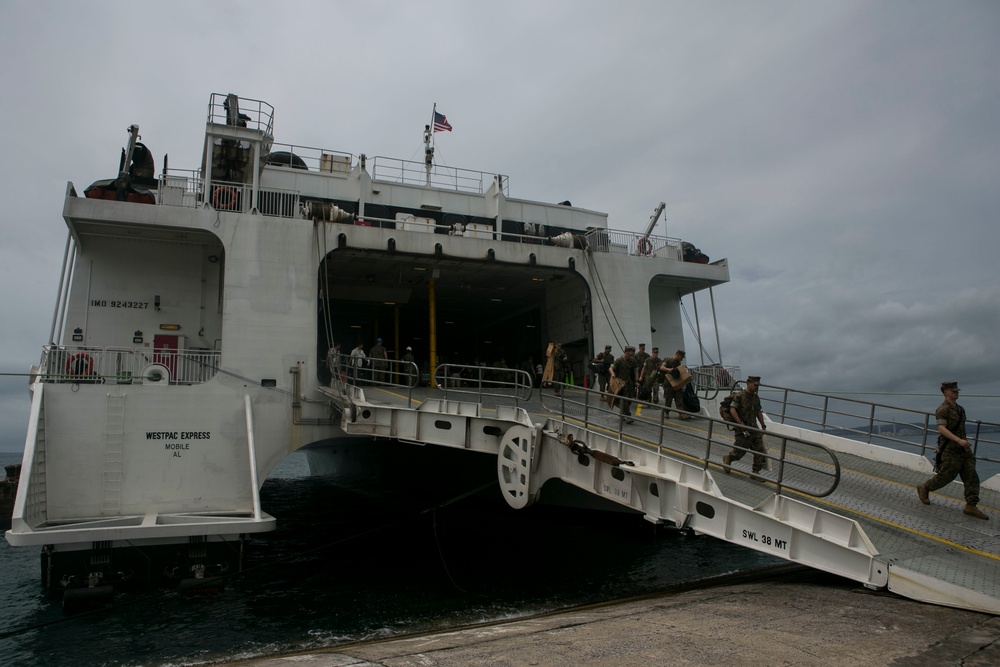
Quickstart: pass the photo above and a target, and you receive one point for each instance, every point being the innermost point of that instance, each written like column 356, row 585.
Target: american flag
column 441, row 123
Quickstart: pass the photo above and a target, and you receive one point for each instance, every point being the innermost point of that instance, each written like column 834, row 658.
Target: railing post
column 871, row 422
column 923, row 445
column 708, row 444
column 781, row 465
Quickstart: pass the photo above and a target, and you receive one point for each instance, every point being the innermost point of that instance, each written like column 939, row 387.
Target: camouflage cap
column 945, row 386
column 630, row 349
column 753, row 378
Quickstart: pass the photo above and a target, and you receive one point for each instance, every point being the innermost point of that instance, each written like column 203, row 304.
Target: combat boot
column 922, row 494
column 972, row 510
column 726, row 461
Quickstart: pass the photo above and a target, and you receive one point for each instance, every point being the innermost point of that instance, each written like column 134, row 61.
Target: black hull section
column 126, row 566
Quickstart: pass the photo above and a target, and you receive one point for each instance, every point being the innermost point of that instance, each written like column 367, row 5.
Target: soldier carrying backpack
column 745, row 410
column 724, row 406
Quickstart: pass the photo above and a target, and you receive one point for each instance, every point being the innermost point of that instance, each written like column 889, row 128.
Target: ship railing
column 251, row 114
column 238, row 197
column 393, row 170
column 183, row 188
column 497, row 382
column 631, row 243
column 603, row 240
column 180, row 187
column 713, row 379
column 900, row 428
column 124, row 365
column 309, row 158
column 792, row 464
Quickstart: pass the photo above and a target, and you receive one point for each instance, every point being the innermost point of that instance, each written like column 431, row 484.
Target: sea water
column 356, row 561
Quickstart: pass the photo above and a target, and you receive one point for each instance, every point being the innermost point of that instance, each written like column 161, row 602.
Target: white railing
column 715, row 378
column 882, row 424
column 279, row 203
column 122, row 365
column 180, row 187
column 183, row 188
column 631, row 243
column 310, row 158
column 251, row 114
column 392, row 170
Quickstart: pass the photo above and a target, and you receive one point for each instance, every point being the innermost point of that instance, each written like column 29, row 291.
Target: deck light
column 77, row 335
column 137, row 336
column 170, row 327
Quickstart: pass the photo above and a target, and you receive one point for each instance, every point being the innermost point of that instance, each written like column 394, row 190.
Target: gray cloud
column 843, row 155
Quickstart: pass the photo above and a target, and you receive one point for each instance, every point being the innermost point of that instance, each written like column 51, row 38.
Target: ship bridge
column 825, row 501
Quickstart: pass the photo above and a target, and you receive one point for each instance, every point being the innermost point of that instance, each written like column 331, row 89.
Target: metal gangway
column 842, row 505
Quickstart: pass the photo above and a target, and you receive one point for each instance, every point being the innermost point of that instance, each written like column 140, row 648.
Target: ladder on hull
column 111, row 471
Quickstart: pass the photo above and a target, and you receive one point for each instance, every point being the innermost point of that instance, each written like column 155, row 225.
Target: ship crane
column 645, row 247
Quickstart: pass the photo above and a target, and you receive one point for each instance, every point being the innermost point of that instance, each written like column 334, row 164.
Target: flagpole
column 428, row 148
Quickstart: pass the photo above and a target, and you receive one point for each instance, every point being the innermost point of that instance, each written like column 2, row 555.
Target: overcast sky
column 844, row 156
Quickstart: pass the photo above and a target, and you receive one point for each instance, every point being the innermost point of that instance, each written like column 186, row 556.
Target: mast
column 428, row 148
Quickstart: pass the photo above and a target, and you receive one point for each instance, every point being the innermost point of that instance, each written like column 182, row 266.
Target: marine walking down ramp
column 790, row 616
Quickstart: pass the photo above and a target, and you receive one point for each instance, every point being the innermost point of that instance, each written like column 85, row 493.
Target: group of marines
column 641, row 374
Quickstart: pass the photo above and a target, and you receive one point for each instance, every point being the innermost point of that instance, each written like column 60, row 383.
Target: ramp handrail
column 801, row 466
column 874, row 422
column 358, row 372
column 480, row 381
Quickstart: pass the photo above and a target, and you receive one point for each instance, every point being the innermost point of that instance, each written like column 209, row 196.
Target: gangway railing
column 712, row 379
column 901, row 428
column 796, row 464
column 484, row 381
column 354, row 373
column 504, row 385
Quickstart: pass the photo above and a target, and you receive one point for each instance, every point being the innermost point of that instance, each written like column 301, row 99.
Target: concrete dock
column 789, row 616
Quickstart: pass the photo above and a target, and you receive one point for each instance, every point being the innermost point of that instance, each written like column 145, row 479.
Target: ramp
column 851, row 515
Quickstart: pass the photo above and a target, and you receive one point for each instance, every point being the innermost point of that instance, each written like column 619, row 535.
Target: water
column 355, row 562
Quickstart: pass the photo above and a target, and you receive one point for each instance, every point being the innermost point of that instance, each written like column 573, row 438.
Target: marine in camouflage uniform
column 560, row 362
column 379, row 361
column 650, row 375
column 604, row 377
column 955, row 457
column 640, row 356
column 625, row 370
column 671, row 395
column 746, row 410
